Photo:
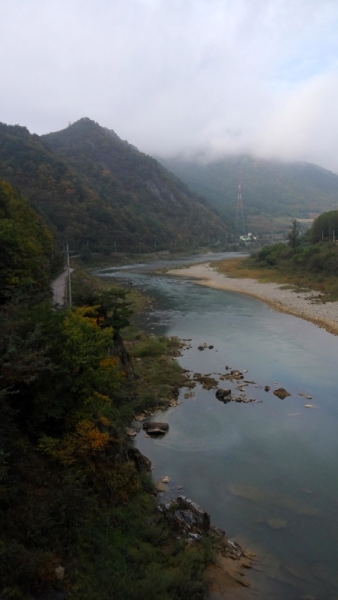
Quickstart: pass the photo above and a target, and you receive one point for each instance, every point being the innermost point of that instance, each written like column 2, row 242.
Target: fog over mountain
column 211, row 77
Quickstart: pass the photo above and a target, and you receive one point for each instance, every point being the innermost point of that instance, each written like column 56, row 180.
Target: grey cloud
column 207, row 76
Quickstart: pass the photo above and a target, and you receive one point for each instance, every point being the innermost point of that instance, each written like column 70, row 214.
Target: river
column 266, row 471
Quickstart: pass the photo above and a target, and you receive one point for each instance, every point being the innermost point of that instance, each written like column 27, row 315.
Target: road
column 59, row 288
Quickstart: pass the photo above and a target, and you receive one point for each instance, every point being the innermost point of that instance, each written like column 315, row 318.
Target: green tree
column 325, row 227
column 294, row 235
column 25, row 246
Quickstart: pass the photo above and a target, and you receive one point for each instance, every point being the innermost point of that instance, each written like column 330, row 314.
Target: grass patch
column 150, row 347
column 158, row 376
column 286, row 274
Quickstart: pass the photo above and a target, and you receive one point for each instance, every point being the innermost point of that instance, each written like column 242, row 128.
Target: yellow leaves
column 95, row 404
column 90, row 313
column 6, row 187
column 105, row 422
column 85, row 442
column 110, row 362
column 89, row 438
column 85, row 340
column 102, row 398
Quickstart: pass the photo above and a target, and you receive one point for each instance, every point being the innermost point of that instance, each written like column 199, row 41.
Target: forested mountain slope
column 93, row 188
column 269, row 187
column 26, row 247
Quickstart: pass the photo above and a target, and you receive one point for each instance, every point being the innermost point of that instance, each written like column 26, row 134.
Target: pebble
column 161, row 487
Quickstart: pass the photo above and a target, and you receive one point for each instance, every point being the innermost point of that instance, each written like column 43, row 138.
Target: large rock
column 142, row 463
column 187, row 516
column 281, row 393
column 155, row 428
column 235, row 374
column 223, row 394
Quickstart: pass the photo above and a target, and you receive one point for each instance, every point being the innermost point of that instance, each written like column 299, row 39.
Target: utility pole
column 69, row 280
column 239, row 223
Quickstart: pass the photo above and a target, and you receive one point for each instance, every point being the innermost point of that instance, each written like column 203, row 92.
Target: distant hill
column 94, row 189
column 270, row 188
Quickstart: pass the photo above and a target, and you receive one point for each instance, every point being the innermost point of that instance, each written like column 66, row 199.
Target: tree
column 25, row 247
column 114, row 311
column 294, row 235
column 325, row 227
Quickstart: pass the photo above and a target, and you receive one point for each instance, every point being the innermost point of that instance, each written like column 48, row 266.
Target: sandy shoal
column 300, row 304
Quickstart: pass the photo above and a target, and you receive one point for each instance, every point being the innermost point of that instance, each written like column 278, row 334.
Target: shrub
column 151, row 347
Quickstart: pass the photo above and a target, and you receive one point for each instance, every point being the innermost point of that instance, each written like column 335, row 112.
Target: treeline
column 77, row 514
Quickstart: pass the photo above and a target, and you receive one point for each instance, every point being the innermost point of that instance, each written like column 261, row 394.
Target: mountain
column 270, row 188
column 94, row 189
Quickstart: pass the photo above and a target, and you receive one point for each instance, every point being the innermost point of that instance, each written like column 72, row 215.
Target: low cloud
column 179, row 76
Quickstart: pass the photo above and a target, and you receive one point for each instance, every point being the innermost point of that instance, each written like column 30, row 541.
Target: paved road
column 59, row 288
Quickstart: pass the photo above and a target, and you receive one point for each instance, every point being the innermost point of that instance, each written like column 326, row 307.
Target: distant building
column 248, row 238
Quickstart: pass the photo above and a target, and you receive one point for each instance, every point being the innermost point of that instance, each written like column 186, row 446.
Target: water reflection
column 266, row 471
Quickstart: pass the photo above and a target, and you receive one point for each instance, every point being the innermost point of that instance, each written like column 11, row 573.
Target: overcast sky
column 178, row 76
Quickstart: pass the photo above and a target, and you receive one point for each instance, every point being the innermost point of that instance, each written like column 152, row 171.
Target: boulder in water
column 155, row 428
column 281, row 393
column 223, row 394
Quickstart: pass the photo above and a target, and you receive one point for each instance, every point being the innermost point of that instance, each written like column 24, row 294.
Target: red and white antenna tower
column 239, row 223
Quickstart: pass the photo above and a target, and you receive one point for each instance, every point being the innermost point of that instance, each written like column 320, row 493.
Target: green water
column 265, row 471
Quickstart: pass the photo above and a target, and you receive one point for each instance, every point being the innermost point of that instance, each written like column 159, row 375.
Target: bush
column 151, row 347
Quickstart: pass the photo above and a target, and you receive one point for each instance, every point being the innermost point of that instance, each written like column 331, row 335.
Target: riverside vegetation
column 77, row 517
column 308, row 262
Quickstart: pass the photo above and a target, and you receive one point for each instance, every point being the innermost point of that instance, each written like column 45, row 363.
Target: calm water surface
column 265, row 471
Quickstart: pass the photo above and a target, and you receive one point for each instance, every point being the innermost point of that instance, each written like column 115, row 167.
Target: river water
column 266, row 471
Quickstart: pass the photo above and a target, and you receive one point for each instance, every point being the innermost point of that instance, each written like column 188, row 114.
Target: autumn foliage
column 71, row 499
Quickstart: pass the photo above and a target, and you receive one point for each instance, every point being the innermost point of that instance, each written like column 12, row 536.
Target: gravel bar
column 300, row 304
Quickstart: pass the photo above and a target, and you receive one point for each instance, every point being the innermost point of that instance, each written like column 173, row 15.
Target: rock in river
column 281, row 393
column 155, row 428
column 223, row 394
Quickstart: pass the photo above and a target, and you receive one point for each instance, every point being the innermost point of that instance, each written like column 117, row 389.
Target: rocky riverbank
column 301, row 304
